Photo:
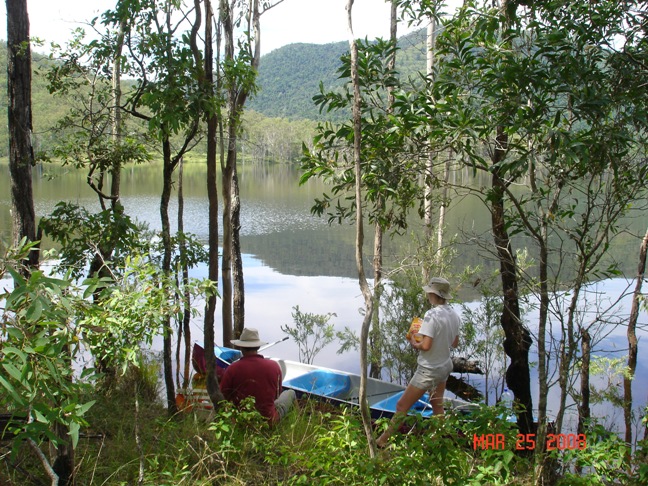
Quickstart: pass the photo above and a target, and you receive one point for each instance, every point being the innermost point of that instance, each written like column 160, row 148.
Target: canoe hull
column 343, row 388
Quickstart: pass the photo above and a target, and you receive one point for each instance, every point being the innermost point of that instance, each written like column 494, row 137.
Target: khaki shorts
column 429, row 378
column 285, row 402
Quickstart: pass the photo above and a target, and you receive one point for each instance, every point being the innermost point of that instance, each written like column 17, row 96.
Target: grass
column 315, row 444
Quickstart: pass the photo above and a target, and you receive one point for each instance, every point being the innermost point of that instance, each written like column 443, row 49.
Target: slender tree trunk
column 375, row 337
column 64, row 451
column 364, row 286
column 21, row 154
column 517, row 341
column 237, row 259
column 584, row 405
column 116, row 114
column 228, row 176
column 44, row 462
column 226, row 265
column 542, row 237
column 212, row 195
column 633, row 348
column 166, row 268
column 237, row 97
column 429, row 170
column 184, row 328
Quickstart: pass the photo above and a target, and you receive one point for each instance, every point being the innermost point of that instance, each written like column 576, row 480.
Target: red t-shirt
column 254, row 376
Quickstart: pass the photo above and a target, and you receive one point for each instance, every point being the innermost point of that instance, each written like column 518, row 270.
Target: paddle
column 266, row 346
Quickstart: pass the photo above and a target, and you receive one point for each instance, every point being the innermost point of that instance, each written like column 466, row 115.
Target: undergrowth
column 315, row 444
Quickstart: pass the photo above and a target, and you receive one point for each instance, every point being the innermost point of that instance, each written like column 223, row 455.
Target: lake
column 294, row 258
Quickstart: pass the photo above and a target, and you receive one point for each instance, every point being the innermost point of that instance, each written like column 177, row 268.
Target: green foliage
column 83, row 235
column 319, row 444
column 432, row 452
column 46, row 324
column 130, row 313
column 39, row 341
column 311, row 332
column 612, row 371
column 390, row 173
column 603, row 461
column 288, row 73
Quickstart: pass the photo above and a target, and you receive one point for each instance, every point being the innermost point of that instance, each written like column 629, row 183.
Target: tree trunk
column 584, row 405
column 212, row 385
column 21, row 154
column 632, row 340
column 116, row 118
column 237, row 259
column 517, row 340
column 184, row 327
column 364, row 286
column 375, row 337
column 166, row 269
column 226, row 265
column 233, row 300
column 429, row 169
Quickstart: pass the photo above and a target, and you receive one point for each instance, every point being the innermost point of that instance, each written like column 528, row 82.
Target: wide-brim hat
column 439, row 286
column 249, row 339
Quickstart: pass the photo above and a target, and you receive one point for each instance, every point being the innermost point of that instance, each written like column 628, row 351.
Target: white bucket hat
column 439, row 286
column 249, row 339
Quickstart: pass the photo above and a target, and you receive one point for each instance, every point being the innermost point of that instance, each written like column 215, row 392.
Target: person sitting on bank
column 253, row 375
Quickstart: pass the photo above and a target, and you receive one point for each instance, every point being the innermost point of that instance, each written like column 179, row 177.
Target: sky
column 309, row 21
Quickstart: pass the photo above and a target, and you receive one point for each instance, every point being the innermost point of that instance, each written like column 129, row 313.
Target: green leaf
column 13, row 371
column 9, row 350
column 35, row 311
column 12, row 391
column 74, row 433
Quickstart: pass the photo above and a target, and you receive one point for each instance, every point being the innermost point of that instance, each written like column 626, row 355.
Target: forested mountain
column 288, row 79
column 290, row 76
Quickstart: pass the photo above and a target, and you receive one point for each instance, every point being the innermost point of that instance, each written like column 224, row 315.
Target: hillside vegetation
column 288, row 79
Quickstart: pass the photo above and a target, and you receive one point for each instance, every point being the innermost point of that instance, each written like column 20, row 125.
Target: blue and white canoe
column 343, row 388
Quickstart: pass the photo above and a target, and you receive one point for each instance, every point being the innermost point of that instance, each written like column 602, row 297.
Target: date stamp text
column 528, row 442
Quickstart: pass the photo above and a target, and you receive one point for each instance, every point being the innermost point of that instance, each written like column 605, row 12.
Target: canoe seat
column 321, row 382
column 389, row 404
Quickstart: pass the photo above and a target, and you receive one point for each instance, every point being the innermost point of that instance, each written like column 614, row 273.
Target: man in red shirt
column 255, row 376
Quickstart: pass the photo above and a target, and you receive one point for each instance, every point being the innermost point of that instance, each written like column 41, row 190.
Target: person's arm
column 424, row 345
column 455, row 343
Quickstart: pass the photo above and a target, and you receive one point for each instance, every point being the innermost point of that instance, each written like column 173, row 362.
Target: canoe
column 343, row 388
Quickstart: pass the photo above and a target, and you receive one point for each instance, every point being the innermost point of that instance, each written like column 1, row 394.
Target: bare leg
column 437, row 399
column 411, row 395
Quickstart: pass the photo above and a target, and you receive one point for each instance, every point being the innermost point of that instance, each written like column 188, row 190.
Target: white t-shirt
column 441, row 323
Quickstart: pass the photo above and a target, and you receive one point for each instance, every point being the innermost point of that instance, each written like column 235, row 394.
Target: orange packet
column 414, row 329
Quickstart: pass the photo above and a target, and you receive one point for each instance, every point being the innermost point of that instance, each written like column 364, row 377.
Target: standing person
column 440, row 332
column 255, row 376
